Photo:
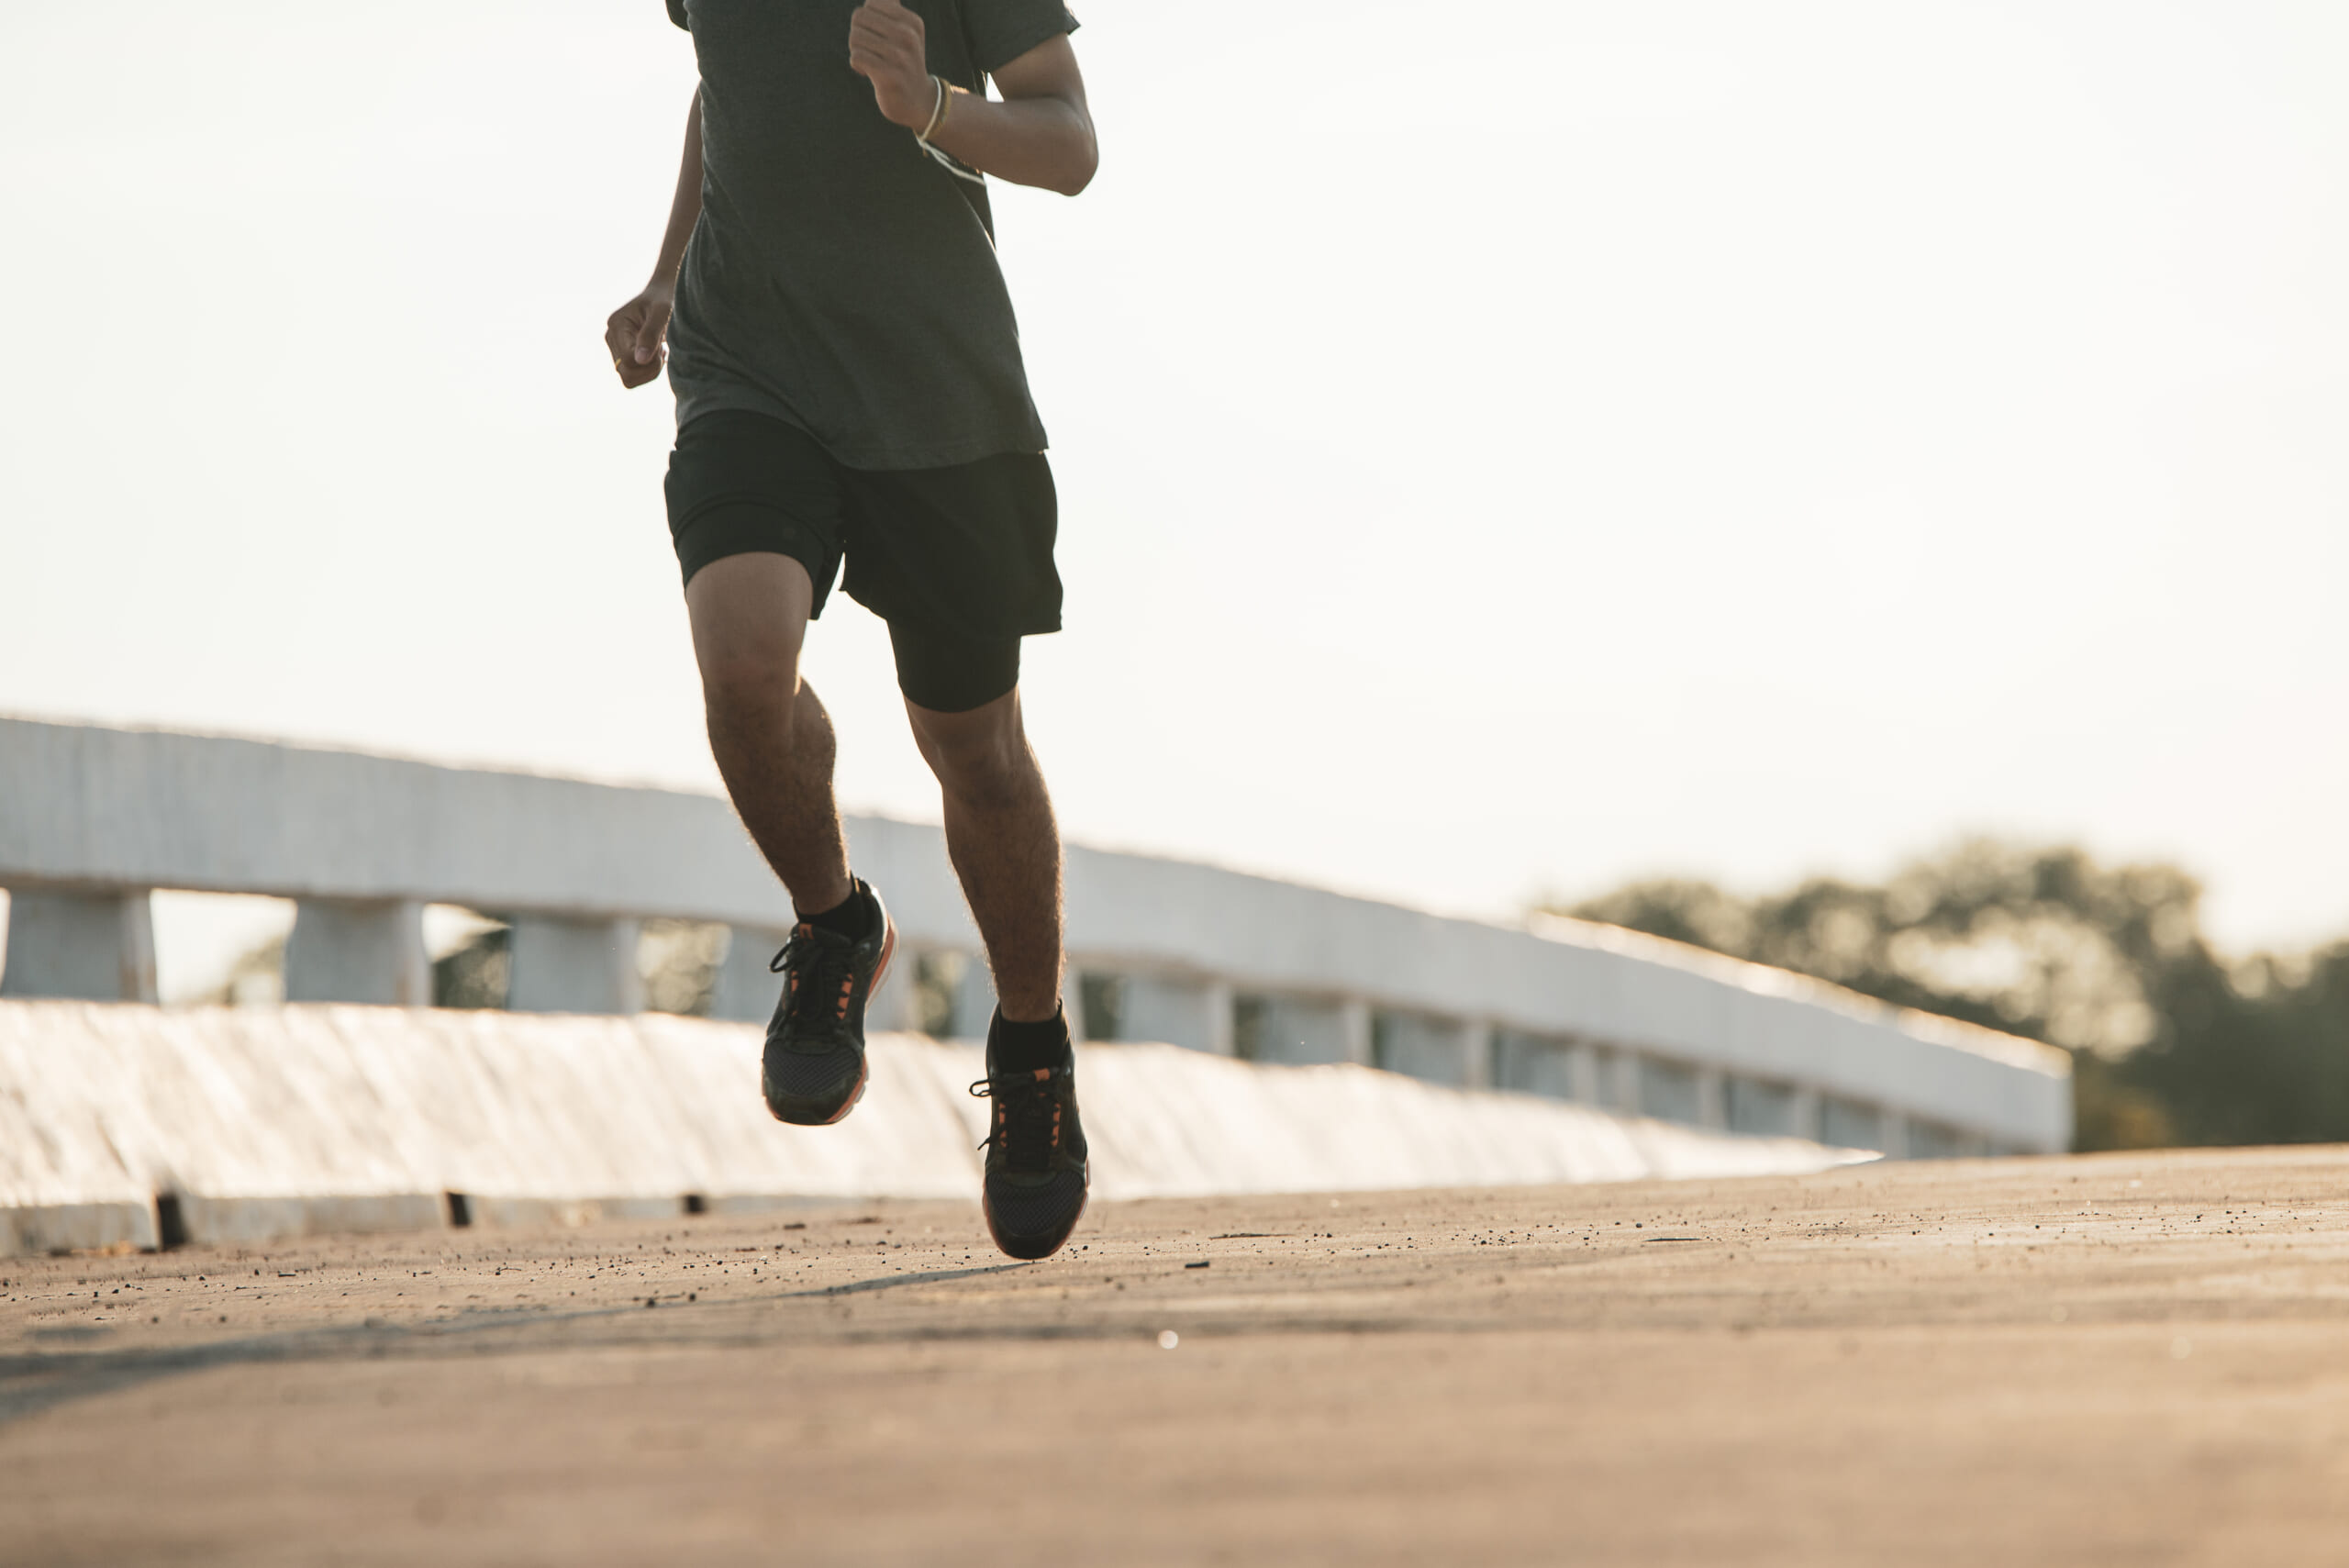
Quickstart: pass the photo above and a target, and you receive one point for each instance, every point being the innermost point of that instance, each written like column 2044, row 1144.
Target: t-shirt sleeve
column 677, row 13
column 1002, row 30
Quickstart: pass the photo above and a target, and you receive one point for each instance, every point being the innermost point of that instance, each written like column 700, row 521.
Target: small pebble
column 1168, row 1339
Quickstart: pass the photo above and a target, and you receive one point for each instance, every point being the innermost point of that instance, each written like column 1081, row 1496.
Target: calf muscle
column 769, row 732
column 1005, row 845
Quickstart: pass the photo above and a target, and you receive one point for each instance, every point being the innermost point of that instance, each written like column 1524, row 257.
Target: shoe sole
column 986, row 1206
column 864, row 1058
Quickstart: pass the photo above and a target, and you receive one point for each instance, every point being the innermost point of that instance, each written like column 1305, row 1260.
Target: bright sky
column 1592, row 440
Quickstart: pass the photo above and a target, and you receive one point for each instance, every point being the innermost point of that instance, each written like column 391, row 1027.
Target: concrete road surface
column 2117, row 1360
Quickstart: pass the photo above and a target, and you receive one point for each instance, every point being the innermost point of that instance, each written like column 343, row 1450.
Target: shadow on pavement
column 31, row 1384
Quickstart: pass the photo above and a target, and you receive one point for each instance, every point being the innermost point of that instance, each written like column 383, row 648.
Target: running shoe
column 814, row 1070
column 1035, row 1175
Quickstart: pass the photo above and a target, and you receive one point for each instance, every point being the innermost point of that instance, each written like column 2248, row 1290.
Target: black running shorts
column 958, row 561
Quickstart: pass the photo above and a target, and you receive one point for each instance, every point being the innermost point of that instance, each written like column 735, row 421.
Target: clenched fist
column 886, row 47
column 634, row 336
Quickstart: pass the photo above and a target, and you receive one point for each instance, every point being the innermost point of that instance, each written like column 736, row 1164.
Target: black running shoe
column 1035, row 1175
column 814, row 1072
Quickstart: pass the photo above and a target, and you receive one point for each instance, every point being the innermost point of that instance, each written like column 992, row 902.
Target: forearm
column 1044, row 141
column 685, row 208
column 1040, row 134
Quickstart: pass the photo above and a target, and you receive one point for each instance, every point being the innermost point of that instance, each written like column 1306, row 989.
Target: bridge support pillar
column 1895, row 1134
column 1583, row 1078
column 895, row 1006
column 359, row 951
column 746, row 990
column 1073, row 988
column 574, row 967
column 1193, row 1013
column 1354, row 1028
column 1476, row 1054
column 1802, row 1113
column 1217, row 1005
column 973, row 999
column 1623, row 1095
column 94, row 946
column 1712, row 1098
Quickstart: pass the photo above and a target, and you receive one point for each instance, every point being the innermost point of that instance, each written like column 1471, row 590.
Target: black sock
column 1014, row 1047
column 851, row 918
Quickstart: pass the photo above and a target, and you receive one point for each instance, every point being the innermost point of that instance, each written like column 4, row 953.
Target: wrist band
column 937, row 110
column 939, row 155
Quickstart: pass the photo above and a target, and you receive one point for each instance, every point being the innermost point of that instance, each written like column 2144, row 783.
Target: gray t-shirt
column 839, row 278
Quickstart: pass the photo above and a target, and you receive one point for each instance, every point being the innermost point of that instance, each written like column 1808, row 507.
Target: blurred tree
column 2168, row 1044
column 474, row 975
column 679, row 959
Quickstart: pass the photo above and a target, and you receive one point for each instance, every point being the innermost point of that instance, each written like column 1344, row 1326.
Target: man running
column 849, row 388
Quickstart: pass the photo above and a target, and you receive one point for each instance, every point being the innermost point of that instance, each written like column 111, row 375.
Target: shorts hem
column 721, row 530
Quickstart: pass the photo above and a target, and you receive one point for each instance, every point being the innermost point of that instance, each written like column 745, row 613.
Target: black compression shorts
column 958, row 561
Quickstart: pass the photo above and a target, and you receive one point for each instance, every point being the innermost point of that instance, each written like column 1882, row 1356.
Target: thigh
column 750, row 615
column 743, row 483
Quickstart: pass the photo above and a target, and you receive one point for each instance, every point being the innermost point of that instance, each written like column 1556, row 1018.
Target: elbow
column 1081, row 168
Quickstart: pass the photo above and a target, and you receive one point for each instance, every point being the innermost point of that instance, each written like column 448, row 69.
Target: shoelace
column 1027, row 1116
column 821, row 976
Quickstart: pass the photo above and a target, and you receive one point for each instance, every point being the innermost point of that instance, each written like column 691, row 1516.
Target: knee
column 749, row 615
column 752, row 670
column 978, row 761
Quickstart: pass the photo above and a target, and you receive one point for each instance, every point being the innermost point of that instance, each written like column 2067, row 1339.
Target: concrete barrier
column 1222, row 961
column 123, row 1124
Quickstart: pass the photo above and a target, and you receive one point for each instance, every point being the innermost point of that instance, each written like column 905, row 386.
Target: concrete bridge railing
column 93, row 819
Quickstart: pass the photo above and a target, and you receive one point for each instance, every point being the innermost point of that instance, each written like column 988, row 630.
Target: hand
column 635, row 333
column 885, row 47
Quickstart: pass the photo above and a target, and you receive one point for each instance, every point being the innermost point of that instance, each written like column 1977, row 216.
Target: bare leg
column 772, row 738
column 1004, row 844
